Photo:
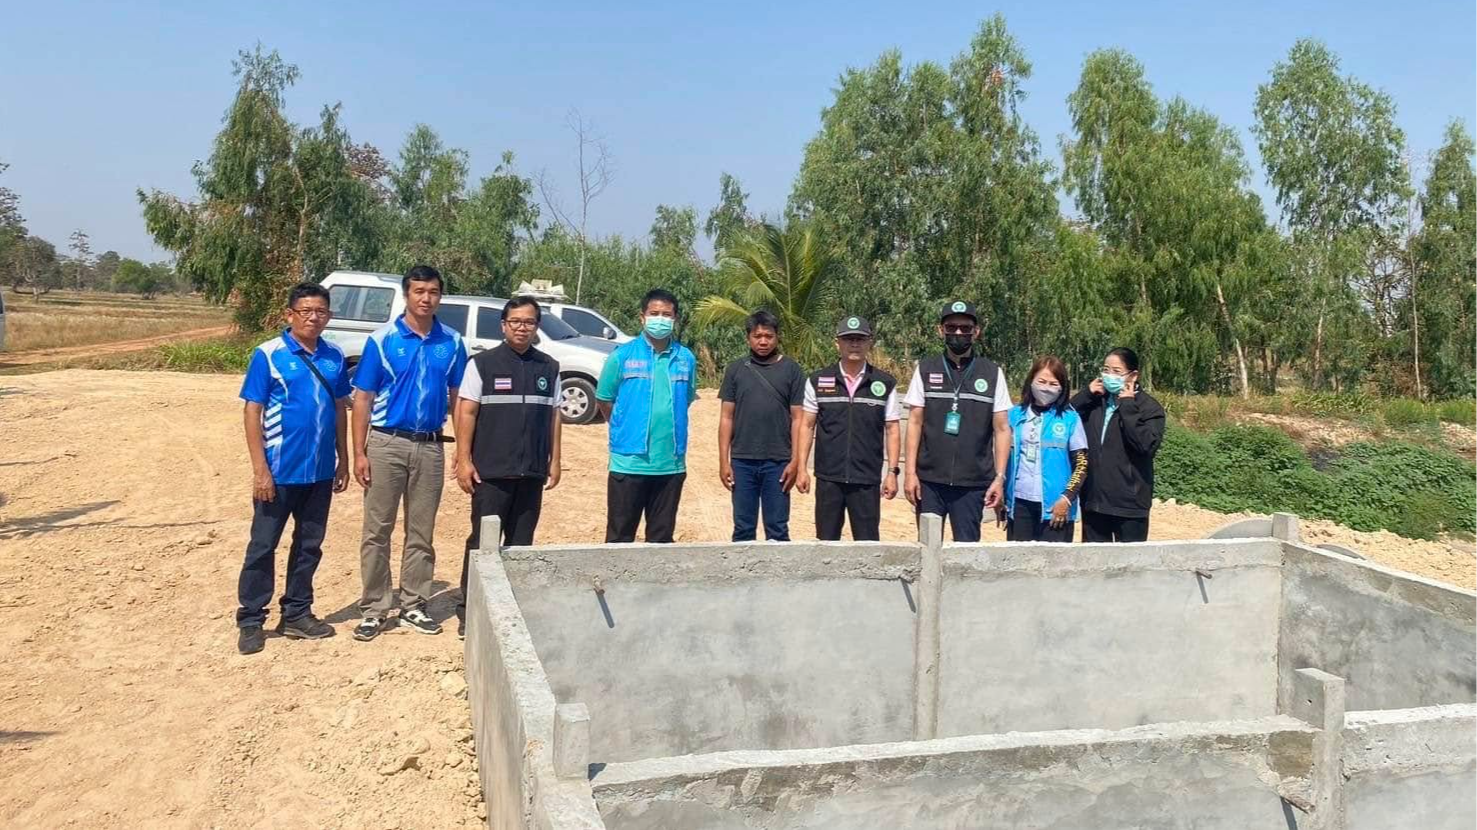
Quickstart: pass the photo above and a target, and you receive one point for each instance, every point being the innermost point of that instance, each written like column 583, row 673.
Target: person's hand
column 789, row 475
column 466, row 475
column 341, row 476
column 913, row 490
column 725, row 475
column 995, row 496
column 1059, row 512
column 889, row 485
column 553, row 480
column 263, row 489
column 1130, row 386
column 1096, row 387
column 361, row 470
column 802, row 481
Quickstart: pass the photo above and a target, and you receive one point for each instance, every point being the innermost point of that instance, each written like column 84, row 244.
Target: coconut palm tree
column 788, row 271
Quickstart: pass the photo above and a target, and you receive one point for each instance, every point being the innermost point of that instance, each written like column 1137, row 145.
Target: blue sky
column 99, row 99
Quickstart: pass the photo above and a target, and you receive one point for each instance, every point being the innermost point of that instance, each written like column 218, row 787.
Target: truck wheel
column 577, row 405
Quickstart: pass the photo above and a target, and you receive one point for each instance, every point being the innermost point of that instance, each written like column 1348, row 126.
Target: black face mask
column 959, row 344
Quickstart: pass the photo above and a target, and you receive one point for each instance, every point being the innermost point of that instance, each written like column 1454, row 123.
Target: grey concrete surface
column 1210, row 776
column 1399, row 640
column 1038, row 637
column 1411, row 768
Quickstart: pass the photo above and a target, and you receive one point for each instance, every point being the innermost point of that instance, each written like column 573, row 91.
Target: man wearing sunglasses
column 958, row 428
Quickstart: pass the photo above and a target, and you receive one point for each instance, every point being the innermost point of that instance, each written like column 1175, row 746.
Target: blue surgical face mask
column 1112, row 383
column 659, row 328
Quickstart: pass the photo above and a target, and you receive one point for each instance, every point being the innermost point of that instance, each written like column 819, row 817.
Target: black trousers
column 861, row 503
column 628, row 497
column 307, row 506
column 517, row 501
column 1028, row 525
column 1101, row 527
column 964, row 507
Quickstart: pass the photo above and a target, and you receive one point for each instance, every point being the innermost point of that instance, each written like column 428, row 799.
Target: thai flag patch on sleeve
column 502, row 384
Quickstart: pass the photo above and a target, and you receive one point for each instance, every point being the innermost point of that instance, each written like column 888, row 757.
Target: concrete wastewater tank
column 1220, row 683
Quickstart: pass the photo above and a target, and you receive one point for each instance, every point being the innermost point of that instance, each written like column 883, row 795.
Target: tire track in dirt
column 32, row 358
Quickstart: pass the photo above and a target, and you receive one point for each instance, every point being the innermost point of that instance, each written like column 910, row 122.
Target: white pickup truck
column 362, row 302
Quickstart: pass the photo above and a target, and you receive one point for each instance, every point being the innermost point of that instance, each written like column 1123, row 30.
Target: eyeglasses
column 964, row 329
column 521, row 324
column 1109, row 370
column 310, row 312
column 855, row 339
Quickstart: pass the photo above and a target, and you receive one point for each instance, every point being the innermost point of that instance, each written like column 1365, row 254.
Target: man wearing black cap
column 852, row 409
column 958, row 430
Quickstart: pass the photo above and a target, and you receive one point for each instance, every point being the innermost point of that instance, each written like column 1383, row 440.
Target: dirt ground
column 123, row 702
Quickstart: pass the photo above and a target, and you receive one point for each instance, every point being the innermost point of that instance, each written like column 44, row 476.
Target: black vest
column 966, row 459
column 514, row 432
column 849, row 431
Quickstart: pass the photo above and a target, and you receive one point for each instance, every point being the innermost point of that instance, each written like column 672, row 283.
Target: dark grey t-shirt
column 762, row 394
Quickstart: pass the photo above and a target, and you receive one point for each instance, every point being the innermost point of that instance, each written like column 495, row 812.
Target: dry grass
column 63, row 319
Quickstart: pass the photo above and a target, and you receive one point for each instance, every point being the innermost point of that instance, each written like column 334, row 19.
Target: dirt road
column 30, row 358
column 122, row 700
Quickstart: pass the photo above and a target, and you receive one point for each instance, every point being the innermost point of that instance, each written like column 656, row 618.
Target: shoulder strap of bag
column 784, row 399
column 319, row 375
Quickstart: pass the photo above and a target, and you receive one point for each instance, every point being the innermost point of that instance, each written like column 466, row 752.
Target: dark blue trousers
column 756, row 485
column 307, row 506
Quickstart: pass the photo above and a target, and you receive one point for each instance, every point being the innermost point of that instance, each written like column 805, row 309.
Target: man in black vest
column 958, row 431
column 507, row 433
column 852, row 410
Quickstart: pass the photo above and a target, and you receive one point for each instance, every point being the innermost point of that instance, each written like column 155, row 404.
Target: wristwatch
column 895, row 470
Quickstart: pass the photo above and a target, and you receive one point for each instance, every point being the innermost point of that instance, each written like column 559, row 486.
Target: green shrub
column 1259, row 447
column 1404, row 413
column 206, row 356
column 1460, row 411
column 1330, row 404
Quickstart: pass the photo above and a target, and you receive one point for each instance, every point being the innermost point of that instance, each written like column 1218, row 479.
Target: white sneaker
column 419, row 620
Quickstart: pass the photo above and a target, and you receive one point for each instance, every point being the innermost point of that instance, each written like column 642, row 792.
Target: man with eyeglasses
column 297, row 393
column 507, row 434
column 958, row 428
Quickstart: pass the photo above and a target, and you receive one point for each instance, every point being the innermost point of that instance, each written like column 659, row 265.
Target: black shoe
column 252, row 639
column 418, row 620
column 368, row 628
column 461, row 627
column 306, row 627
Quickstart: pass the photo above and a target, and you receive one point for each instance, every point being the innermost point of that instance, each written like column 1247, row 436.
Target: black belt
column 412, row 435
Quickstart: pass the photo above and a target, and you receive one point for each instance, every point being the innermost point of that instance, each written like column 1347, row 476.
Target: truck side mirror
column 608, row 333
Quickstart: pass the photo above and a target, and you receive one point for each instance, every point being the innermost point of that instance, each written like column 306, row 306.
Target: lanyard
column 963, row 377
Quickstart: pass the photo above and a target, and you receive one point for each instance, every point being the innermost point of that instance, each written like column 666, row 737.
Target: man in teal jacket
column 644, row 392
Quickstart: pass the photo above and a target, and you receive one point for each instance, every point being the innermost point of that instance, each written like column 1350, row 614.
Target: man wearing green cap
column 958, row 428
column 852, row 410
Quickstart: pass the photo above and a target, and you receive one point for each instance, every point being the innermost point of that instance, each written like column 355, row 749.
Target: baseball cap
column 958, row 307
column 853, row 325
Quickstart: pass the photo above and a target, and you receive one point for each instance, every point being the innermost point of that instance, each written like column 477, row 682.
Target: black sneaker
column 368, row 628
column 461, row 627
column 419, row 620
column 306, row 627
column 252, row 639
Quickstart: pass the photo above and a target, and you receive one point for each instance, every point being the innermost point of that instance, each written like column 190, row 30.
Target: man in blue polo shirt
column 407, row 379
column 296, row 391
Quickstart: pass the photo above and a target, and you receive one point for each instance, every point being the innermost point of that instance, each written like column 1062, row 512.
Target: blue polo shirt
column 409, row 375
column 297, row 412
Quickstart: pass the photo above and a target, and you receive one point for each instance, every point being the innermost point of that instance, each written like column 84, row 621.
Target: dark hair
column 523, row 301
column 1129, row 357
column 661, row 294
column 304, row 290
column 761, row 319
column 421, row 273
column 1053, row 364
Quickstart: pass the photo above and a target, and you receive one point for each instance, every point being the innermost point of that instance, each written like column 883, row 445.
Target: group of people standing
column 1040, row 466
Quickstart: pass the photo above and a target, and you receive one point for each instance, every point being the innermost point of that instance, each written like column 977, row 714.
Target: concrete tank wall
column 1107, row 636
column 1400, row 641
column 1411, row 768
column 1217, row 776
column 714, row 647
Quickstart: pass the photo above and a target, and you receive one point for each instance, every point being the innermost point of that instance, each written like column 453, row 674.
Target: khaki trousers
column 406, row 472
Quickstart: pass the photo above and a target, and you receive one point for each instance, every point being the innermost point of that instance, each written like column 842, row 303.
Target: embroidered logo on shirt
column 825, row 383
column 878, row 388
column 980, row 385
column 292, row 364
column 442, row 351
column 543, row 383
column 1059, row 430
column 502, row 384
column 936, row 378
column 329, row 366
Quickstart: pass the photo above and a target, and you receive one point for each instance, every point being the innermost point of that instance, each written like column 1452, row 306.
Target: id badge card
column 951, row 423
column 1029, row 451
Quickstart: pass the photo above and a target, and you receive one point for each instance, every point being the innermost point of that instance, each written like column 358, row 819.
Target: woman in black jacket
column 1124, row 428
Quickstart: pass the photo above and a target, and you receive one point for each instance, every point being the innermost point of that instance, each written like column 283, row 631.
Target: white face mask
column 1045, row 395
